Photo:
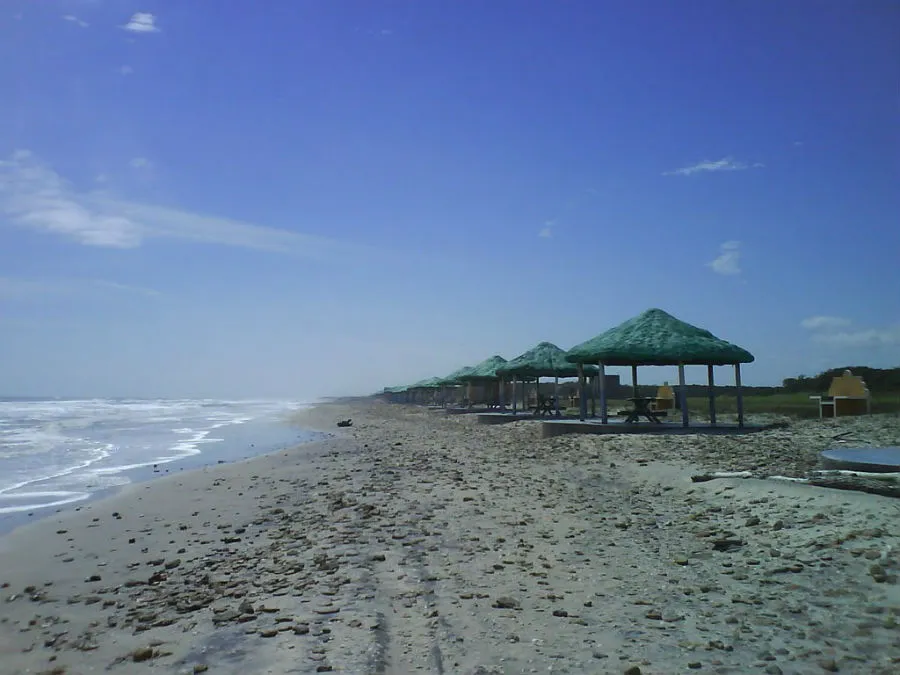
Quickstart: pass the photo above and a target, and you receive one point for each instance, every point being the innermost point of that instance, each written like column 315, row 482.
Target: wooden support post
column 524, row 396
column 501, row 394
column 712, row 395
column 682, row 395
column 593, row 396
column 514, row 395
column 604, row 412
column 740, row 395
column 634, row 384
column 582, row 401
column 556, row 393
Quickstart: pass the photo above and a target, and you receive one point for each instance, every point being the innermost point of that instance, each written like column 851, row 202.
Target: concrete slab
column 505, row 418
column 551, row 428
column 874, row 460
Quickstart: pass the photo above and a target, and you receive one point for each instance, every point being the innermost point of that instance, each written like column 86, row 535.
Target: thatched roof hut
column 656, row 338
column 542, row 360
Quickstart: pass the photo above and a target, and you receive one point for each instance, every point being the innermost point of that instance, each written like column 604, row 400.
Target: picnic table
column 546, row 405
column 642, row 409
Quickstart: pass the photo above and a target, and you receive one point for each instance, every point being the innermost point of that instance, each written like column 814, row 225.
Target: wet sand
column 419, row 542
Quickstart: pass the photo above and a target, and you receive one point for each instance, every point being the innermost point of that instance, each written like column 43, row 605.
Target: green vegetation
column 791, row 399
column 796, row 405
column 878, row 380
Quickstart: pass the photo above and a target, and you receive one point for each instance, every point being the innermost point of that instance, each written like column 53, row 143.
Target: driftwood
column 883, row 484
column 704, row 477
column 886, row 487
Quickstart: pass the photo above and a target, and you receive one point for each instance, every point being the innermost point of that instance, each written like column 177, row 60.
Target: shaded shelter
column 656, row 338
column 452, row 380
column 423, row 390
column 485, row 374
column 397, row 394
column 543, row 360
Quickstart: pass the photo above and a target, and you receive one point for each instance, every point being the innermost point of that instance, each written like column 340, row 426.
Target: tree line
column 876, row 379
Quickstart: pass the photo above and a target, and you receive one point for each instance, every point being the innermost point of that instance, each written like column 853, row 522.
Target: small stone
column 752, row 521
column 142, row 654
column 654, row 614
column 773, row 669
column 505, row 602
column 560, row 612
column 778, row 525
column 268, row 633
column 681, row 560
column 200, row 668
column 634, row 670
column 828, row 665
column 878, row 573
column 694, row 665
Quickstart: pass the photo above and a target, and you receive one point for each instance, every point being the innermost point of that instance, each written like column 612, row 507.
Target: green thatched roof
column 486, row 370
column 428, row 383
column 543, row 360
column 453, row 378
column 395, row 390
column 656, row 338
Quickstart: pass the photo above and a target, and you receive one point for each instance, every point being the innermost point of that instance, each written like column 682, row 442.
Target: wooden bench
column 847, row 395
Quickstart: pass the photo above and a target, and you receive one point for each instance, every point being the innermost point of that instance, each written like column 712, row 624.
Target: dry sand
column 419, row 542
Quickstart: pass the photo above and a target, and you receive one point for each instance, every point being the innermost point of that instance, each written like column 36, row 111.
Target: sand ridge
column 419, row 542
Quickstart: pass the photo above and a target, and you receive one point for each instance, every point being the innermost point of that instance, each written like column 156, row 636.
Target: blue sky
column 313, row 198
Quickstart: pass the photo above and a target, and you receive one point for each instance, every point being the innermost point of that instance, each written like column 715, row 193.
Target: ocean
column 59, row 452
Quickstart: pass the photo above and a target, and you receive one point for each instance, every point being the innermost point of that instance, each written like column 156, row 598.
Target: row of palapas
column 653, row 338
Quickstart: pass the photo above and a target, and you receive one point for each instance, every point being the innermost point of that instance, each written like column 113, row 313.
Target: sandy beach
column 421, row 542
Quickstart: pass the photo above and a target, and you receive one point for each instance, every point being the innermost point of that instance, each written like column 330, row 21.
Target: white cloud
column 28, row 289
column 139, row 163
column 836, row 331
column 142, row 22
column 729, row 260
column 724, row 164
column 825, row 322
column 74, row 19
column 870, row 337
column 125, row 70
column 547, row 231
column 35, row 197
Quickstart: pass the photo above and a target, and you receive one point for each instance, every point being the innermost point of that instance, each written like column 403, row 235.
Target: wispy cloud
column 839, row 332
column 729, row 260
column 74, row 19
column 870, row 337
column 139, row 163
column 825, row 323
column 709, row 165
column 35, row 197
column 125, row 70
column 142, row 22
column 547, row 231
column 30, row 289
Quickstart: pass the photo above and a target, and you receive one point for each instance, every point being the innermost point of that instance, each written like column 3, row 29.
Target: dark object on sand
column 345, row 423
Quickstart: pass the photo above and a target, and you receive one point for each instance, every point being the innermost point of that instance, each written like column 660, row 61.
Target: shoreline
column 416, row 542
column 232, row 448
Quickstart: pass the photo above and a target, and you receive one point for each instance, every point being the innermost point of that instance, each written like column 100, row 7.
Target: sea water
column 59, row 452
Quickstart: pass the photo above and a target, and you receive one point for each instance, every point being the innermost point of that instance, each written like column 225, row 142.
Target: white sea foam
column 54, row 453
